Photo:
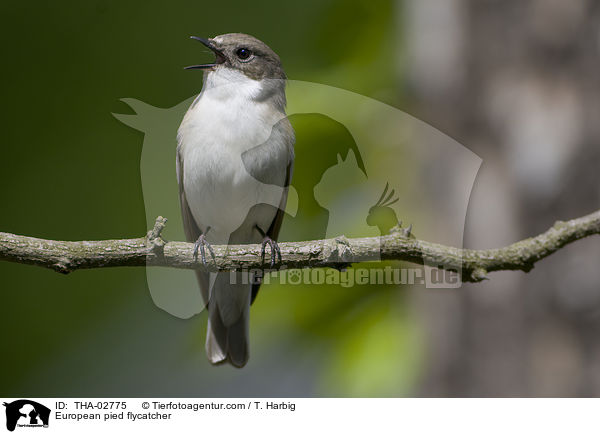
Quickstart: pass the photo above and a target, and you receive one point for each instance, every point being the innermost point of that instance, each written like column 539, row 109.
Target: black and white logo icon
column 26, row 413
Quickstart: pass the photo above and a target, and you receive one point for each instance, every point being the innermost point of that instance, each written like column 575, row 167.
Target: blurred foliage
column 71, row 171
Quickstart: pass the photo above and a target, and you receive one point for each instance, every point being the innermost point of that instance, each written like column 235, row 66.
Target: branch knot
column 154, row 239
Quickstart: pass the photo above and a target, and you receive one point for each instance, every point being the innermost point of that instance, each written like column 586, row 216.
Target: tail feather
column 216, row 340
column 228, row 341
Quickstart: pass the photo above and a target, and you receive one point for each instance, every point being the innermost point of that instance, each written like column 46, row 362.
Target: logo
column 361, row 167
column 26, row 413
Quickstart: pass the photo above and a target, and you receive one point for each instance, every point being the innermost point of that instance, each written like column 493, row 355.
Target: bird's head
column 243, row 53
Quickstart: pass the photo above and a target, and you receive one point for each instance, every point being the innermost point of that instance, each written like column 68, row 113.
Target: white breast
column 224, row 122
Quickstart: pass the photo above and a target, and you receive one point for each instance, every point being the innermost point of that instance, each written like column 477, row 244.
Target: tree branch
column 152, row 250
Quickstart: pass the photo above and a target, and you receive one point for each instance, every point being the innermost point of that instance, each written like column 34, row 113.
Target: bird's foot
column 275, row 251
column 201, row 244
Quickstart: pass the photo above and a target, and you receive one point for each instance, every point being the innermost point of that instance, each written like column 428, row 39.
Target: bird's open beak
column 220, row 58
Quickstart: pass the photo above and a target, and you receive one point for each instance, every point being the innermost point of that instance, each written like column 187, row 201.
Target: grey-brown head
column 244, row 53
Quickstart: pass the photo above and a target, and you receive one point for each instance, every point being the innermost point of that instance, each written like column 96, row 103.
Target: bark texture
column 152, row 250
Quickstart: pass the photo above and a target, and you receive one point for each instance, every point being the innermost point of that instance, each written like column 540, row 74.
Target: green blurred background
column 515, row 81
column 71, row 171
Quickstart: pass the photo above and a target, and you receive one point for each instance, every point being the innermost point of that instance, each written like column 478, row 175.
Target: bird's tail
column 227, row 336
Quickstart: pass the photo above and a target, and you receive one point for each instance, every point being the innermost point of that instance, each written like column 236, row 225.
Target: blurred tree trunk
column 518, row 83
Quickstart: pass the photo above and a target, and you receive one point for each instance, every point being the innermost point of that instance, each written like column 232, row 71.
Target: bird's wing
column 273, row 231
column 190, row 227
column 282, row 126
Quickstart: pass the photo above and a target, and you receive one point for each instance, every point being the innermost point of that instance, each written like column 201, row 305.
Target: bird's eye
column 243, row 53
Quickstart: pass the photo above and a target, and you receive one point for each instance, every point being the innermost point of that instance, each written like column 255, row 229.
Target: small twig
column 152, row 250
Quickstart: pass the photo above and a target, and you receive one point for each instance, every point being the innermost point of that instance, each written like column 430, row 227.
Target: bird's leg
column 200, row 244
column 274, row 247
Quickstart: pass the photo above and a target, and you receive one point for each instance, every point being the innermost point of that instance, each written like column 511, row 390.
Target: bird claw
column 275, row 250
column 201, row 244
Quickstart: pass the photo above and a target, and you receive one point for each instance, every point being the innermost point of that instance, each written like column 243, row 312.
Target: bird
column 235, row 157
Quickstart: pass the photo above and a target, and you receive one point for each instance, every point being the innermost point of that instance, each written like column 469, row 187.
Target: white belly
column 220, row 191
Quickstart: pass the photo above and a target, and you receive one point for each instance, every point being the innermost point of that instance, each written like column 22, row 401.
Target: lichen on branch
column 153, row 250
